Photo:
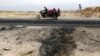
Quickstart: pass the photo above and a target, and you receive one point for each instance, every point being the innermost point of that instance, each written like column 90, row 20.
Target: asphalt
column 50, row 22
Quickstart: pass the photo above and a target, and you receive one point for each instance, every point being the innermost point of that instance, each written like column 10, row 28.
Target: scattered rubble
column 50, row 41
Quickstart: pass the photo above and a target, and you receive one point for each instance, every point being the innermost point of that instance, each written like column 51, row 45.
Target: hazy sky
column 30, row 5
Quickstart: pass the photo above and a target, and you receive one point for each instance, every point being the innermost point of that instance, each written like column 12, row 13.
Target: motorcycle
column 52, row 13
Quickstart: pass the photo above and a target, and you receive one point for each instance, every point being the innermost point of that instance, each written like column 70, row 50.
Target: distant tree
column 80, row 6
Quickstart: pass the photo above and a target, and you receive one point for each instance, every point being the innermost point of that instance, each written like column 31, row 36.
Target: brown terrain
column 89, row 12
column 50, row 40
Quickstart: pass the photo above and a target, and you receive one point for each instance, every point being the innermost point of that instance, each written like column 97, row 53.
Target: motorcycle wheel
column 54, row 17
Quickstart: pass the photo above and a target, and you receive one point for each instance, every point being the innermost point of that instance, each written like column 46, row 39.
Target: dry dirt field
column 64, row 15
column 89, row 12
column 49, row 41
column 17, row 14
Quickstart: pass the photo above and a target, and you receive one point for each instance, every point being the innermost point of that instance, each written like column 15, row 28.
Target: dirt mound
column 96, row 9
column 90, row 12
column 60, row 43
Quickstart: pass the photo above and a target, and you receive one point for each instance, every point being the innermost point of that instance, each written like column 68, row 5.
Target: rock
column 43, row 33
column 82, row 49
column 11, row 27
column 20, row 42
column 6, row 49
column 84, row 31
column 3, row 28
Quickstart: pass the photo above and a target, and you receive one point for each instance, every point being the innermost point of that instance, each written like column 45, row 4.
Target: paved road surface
column 48, row 22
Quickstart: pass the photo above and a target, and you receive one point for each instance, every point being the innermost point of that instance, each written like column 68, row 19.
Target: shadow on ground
column 59, row 43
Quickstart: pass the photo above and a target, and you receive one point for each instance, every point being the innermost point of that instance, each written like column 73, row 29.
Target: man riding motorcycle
column 50, row 12
column 45, row 10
